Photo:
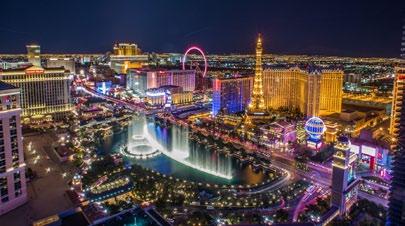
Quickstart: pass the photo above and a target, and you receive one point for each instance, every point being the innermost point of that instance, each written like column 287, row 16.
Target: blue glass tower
column 231, row 95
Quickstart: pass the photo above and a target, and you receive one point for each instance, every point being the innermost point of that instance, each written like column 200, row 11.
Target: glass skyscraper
column 231, row 95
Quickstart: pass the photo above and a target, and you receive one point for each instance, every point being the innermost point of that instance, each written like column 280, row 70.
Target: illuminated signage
column 34, row 71
column 368, row 150
column 103, row 87
column 155, row 94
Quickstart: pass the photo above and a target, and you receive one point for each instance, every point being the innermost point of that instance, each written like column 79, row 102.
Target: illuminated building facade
column 231, row 95
column 182, row 98
column 156, row 79
column 141, row 80
column 34, row 54
column 137, row 81
column 344, row 182
column 396, row 211
column 126, row 49
column 13, row 188
column 397, row 100
column 289, row 88
column 183, row 78
column 257, row 107
column 45, row 92
column 331, row 92
column 166, row 96
column 126, row 56
column 306, row 91
column 313, row 93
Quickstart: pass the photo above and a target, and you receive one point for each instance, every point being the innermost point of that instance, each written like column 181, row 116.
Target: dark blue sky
column 327, row 27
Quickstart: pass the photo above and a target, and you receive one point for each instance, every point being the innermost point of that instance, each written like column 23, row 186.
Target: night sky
column 326, row 27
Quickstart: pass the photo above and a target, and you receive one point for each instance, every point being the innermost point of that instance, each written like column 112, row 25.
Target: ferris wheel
column 195, row 48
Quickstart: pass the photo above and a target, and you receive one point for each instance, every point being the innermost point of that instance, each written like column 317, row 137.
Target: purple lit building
column 231, row 94
column 141, row 80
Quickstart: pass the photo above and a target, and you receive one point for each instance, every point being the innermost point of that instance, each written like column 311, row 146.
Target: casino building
column 167, row 96
column 126, row 56
column 314, row 93
column 141, row 80
column 45, row 92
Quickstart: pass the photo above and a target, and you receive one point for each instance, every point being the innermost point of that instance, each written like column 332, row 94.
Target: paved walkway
column 46, row 193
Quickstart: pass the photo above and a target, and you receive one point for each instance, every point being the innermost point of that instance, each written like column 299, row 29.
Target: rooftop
column 31, row 67
column 235, row 77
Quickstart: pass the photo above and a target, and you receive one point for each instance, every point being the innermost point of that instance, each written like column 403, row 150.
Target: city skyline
column 202, row 113
column 362, row 28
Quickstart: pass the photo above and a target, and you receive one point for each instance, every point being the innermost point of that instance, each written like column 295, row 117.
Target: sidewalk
column 46, row 193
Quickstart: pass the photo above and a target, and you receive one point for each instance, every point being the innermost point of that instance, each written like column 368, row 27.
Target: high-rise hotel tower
column 396, row 212
column 141, row 80
column 313, row 92
column 126, row 49
column 231, row 94
column 45, row 92
column 398, row 97
column 13, row 189
column 331, row 92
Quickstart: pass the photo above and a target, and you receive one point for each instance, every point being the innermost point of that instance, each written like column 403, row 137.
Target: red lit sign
column 31, row 71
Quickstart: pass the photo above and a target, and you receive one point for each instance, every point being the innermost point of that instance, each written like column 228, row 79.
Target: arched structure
column 201, row 52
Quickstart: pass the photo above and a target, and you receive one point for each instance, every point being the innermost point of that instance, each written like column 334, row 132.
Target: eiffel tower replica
column 257, row 110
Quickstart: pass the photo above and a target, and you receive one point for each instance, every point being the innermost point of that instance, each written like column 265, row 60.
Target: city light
column 231, row 131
